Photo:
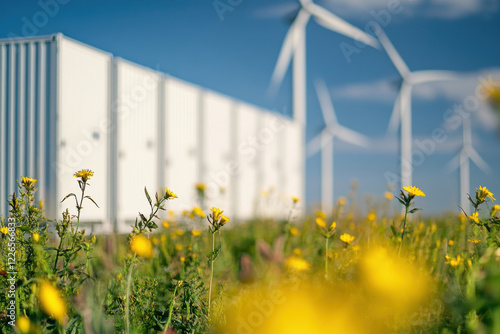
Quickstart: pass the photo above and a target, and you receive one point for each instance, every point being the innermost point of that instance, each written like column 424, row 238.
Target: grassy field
column 198, row 271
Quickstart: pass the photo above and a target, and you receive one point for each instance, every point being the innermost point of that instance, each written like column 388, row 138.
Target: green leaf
column 147, row 196
column 394, row 231
column 90, row 198
column 414, row 210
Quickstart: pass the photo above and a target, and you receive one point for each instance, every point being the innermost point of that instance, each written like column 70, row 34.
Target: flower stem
column 326, row 258
column 127, row 299
column 403, row 232
column 211, row 272
column 170, row 311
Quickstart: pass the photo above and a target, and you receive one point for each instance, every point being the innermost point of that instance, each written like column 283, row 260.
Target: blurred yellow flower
column 23, row 324
column 200, row 187
column 4, row 230
column 169, row 194
column 333, row 225
column 342, row 201
column 388, row 195
column 178, row 232
column 455, row 261
column 183, row 259
column 371, row 216
column 320, row 214
column 495, row 209
column 482, row 193
column 196, row 233
column 216, row 213
column 295, row 199
column 451, row 243
column 294, row 231
column 475, row 217
column 297, row 251
column 320, row 222
column 295, row 263
column 264, row 193
column 474, row 241
column 141, row 246
column 165, row 224
column 163, row 238
column 36, row 237
column 198, row 212
column 84, row 174
column 223, row 220
column 347, row 238
column 155, row 240
column 178, row 247
column 28, row 182
column 119, row 276
column 51, row 301
column 414, row 191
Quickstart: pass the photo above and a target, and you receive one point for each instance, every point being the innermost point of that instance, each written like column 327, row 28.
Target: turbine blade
column 393, row 126
column 393, row 53
column 314, row 145
column 474, row 156
column 325, row 102
column 431, row 76
column 335, row 23
column 454, row 163
column 351, row 136
column 284, row 58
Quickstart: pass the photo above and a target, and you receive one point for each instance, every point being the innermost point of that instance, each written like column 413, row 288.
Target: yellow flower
column 155, row 240
column 84, row 174
column 216, row 213
column 295, row 263
column 51, row 301
column 320, row 214
column 347, row 238
column 180, row 233
column 482, row 193
column 119, row 276
column 475, row 217
column 297, row 251
column 451, row 243
column 169, row 194
column 196, row 233
column 495, row 209
column 474, row 241
column 438, row 243
column 28, row 182
column 178, row 247
column 371, row 216
column 455, row 261
column 320, row 222
column 414, row 191
column 36, row 237
column 4, row 230
column 23, row 324
column 200, row 187
column 342, row 201
column 388, row 195
column 183, row 259
column 165, row 224
column 163, row 238
column 295, row 199
column 294, row 231
column 141, row 246
column 198, row 212
column 333, row 225
column 223, row 220
column 264, row 193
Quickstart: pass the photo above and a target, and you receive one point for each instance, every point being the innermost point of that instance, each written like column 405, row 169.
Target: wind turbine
column 294, row 46
column 402, row 107
column 324, row 142
column 461, row 160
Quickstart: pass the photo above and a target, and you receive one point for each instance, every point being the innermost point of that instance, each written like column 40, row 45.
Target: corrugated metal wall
column 65, row 106
column 28, row 80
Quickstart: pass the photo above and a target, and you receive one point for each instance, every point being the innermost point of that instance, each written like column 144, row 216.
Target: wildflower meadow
column 391, row 269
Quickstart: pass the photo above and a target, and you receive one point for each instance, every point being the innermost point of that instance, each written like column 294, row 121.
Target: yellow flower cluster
column 482, row 193
column 347, row 238
column 169, row 194
column 28, row 182
column 295, row 263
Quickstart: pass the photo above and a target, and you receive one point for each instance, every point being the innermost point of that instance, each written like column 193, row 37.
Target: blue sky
column 235, row 53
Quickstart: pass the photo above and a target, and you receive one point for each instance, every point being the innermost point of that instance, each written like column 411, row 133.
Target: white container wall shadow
column 65, row 106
